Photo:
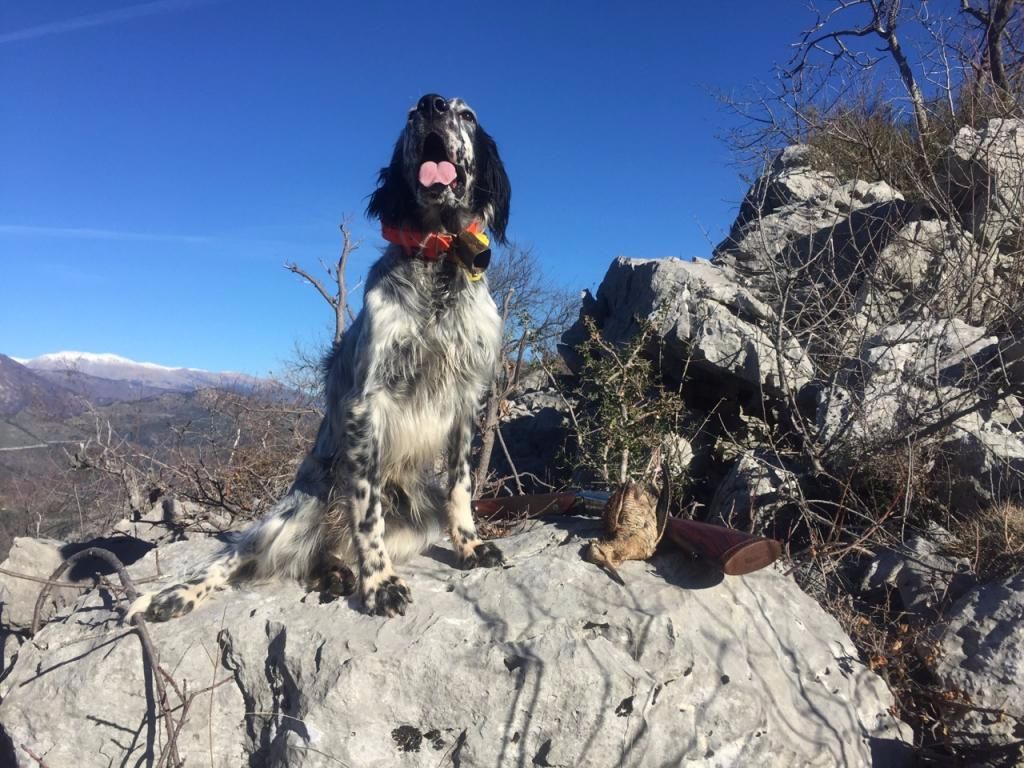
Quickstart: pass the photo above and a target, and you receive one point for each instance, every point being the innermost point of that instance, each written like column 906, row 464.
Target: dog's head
column 445, row 172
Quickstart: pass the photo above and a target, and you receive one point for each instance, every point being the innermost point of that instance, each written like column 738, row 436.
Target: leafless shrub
column 250, row 461
column 534, row 315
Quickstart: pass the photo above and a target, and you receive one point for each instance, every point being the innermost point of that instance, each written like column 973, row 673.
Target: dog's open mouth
column 436, row 171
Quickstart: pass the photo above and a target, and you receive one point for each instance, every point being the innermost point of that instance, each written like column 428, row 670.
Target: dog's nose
column 432, row 105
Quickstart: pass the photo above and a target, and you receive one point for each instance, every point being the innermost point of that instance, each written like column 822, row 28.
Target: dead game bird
column 634, row 522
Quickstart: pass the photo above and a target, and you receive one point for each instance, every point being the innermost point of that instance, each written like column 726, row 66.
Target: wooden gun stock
column 735, row 552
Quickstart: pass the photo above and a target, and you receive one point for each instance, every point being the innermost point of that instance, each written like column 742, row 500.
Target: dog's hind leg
column 470, row 549
column 285, row 542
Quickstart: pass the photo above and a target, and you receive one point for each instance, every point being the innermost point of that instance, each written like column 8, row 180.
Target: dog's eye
column 468, row 116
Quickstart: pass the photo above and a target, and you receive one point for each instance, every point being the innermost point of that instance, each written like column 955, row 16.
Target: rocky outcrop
column 703, row 320
column 846, row 339
column 543, row 662
column 792, row 207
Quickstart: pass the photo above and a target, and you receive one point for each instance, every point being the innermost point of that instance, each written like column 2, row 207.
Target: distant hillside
column 77, row 370
column 22, row 389
column 44, row 401
column 100, row 391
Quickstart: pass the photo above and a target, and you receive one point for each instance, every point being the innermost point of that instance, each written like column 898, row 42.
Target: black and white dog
column 402, row 387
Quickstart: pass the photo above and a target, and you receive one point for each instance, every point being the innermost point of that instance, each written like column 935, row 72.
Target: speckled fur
column 402, row 390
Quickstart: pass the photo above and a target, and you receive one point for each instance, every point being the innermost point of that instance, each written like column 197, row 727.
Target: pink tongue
column 437, row 173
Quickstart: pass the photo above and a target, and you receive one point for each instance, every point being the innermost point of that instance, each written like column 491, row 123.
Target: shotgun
column 734, row 552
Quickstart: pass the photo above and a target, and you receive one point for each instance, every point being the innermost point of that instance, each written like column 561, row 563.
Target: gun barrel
column 516, row 507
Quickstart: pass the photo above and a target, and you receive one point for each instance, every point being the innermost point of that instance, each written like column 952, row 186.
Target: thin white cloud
column 84, row 233
column 103, row 19
column 225, row 240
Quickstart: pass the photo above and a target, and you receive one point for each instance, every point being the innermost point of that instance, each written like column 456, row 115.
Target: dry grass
column 993, row 540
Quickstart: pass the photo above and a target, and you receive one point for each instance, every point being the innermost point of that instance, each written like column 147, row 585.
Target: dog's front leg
column 383, row 592
column 472, row 552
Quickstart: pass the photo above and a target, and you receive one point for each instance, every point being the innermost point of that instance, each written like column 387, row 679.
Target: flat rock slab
column 980, row 652
column 545, row 662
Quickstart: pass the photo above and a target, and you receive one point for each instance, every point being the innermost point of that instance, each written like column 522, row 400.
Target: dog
column 403, row 387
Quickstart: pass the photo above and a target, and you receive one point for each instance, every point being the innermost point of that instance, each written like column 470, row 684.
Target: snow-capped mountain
column 61, row 367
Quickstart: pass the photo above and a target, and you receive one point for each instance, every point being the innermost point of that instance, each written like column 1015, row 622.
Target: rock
column 987, row 462
column 912, row 377
column 40, row 558
column 927, row 580
column 909, row 376
column 704, row 321
column 1013, row 355
column 795, row 208
column 10, row 644
column 983, row 173
column 916, row 269
column 32, row 557
column 790, row 180
column 830, row 243
column 980, row 652
column 534, row 425
column 757, row 495
column 543, row 662
column 168, row 520
column 677, row 454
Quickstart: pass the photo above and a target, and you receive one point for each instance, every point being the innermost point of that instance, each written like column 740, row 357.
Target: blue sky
column 162, row 160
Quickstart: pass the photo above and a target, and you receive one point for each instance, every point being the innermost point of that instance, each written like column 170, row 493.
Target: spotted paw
column 169, row 604
column 483, row 555
column 337, row 581
column 389, row 598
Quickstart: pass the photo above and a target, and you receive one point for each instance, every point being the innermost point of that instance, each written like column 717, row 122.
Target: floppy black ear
column 492, row 187
column 392, row 202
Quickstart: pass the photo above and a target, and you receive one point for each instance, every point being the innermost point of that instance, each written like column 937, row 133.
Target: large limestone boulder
column 979, row 653
column 704, row 320
column 543, row 662
column 793, row 208
column 983, row 172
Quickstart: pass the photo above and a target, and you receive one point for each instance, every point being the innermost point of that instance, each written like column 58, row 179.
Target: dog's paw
column 484, row 555
column 337, row 581
column 163, row 606
column 388, row 598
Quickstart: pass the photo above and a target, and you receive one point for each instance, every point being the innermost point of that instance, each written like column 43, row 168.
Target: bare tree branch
column 338, row 301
